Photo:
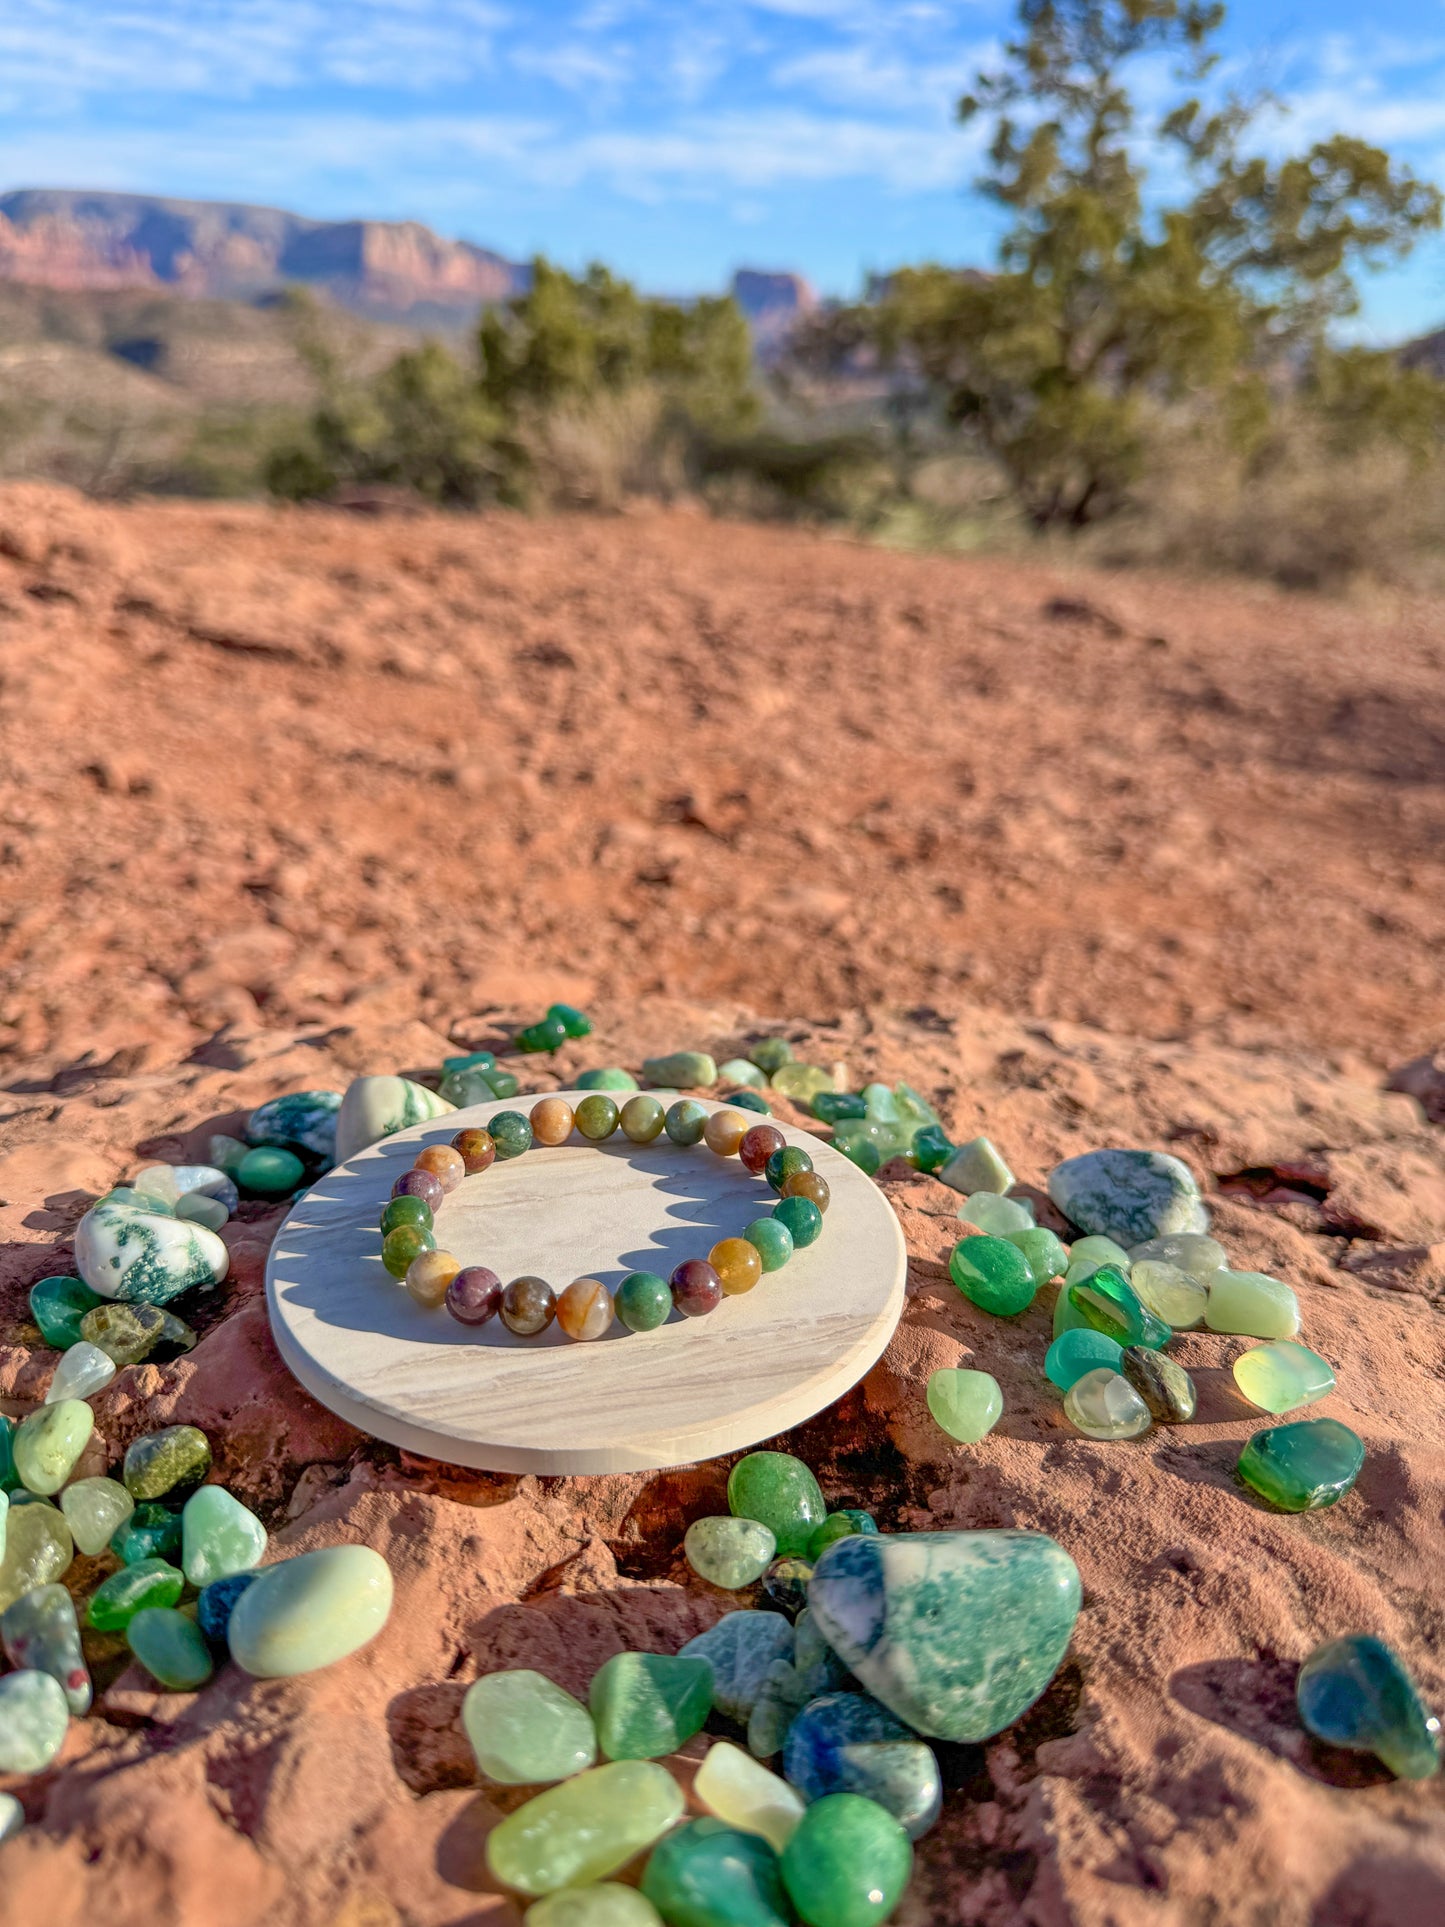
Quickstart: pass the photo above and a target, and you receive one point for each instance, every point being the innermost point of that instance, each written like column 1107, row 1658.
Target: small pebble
column 1165, row 1387
column 526, row 1731
column 84, row 1369
column 166, row 1462
column 34, row 1719
column 171, row 1647
column 270, row 1171
column 1282, row 1376
column 1104, row 1405
column 965, row 1404
column 727, row 1552
column 1081, row 1349
column 94, row 1509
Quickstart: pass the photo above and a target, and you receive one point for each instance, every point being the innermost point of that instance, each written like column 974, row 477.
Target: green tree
column 1108, row 307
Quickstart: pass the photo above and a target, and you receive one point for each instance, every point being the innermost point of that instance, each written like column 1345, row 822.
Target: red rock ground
column 1089, row 860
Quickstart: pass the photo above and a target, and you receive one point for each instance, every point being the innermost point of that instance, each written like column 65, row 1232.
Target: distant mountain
column 774, row 304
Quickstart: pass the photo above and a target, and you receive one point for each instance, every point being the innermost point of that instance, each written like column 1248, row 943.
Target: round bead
column 782, row 1164
column 474, row 1295
column 772, row 1241
column 642, row 1118
column 419, row 1184
column 406, row 1210
column 584, row 1310
column 686, row 1121
column 399, row 1247
column 552, row 1120
column 758, row 1146
column 802, row 1217
column 737, row 1263
column 447, row 1166
column 597, row 1116
column 528, row 1306
column 724, row 1132
column 511, row 1133
column 428, row 1276
column 696, row 1288
column 477, row 1149
column 643, row 1301
column 807, row 1184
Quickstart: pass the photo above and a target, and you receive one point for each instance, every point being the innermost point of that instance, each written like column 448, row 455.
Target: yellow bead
column 738, row 1263
column 584, row 1309
column 642, row 1118
column 552, row 1120
column 429, row 1274
column 724, row 1132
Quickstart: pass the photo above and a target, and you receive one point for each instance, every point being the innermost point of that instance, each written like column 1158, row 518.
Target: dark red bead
column 474, row 1295
column 420, row 1184
column 758, row 1146
column 696, row 1288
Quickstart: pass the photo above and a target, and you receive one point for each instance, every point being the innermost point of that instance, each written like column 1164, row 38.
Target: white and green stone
column 219, row 1536
column 527, row 1731
column 1130, row 1196
column 33, row 1721
column 730, row 1553
column 144, row 1256
column 48, row 1443
column 741, row 1650
column 302, row 1120
column 93, row 1509
column 378, row 1107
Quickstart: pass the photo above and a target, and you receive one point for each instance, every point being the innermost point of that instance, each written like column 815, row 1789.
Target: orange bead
column 724, row 1132
column 738, row 1263
column 552, row 1120
column 807, row 1184
column 584, row 1309
column 476, row 1148
column 447, row 1166
column 429, row 1274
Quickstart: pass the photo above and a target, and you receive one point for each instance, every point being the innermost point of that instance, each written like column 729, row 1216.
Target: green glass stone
column 471, row 1060
column 308, row 1612
column 400, row 1246
column 94, row 1509
column 1282, row 1376
column 404, row 1210
column 38, row 1549
column 171, row 1647
column 1044, row 1254
column 787, row 1159
column 839, row 1525
column 48, row 1443
column 117, row 1600
column 648, row 1704
column 125, row 1333
column 545, row 1035
column 831, row 1107
column 967, row 1405
column 270, row 1171
column 512, row 1133
column 707, row 1874
column 151, row 1532
column 772, row 1241
column 992, row 1274
column 1165, row 1387
column 931, row 1149
column 9, row 1477
column 526, row 1731
column 585, row 1829
column 781, row 1493
column 597, row 1116
column 1081, row 1349
column 770, row 1054
column 998, row 1217
column 1356, row 1692
column 1099, row 1251
column 847, row 1864
column 165, row 1462
column 609, row 1079
column 686, row 1121
column 727, row 1552
column 643, row 1301
column 976, row 1166
column 573, row 1021
column 681, row 1070
column 1252, row 1305
column 1299, row 1467
column 501, row 1084
column 802, row 1220
column 57, row 1305
column 749, row 1101
column 1107, row 1301
column 605, row 1903
column 34, row 1719
column 857, row 1145
column 219, row 1536
column 801, row 1082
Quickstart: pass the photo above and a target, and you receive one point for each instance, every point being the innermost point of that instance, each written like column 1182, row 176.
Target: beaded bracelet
column 586, row 1308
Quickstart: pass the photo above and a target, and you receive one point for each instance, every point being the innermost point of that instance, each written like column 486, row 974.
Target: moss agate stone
column 647, row 1704
column 741, row 1649
column 1165, row 1387
column 41, row 1632
column 965, row 1404
column 1252, row 1304
column 376, row 1107
column 584, row 1829
column 727, row 1552
column 1300, row 1467
column 1356, row 1692
column 117, row 1600
column 1108, row 1302
column 849, row 1743
column 741, row 1792
column 848, row 1863
column 151, row 1532
column 526, row 1731
column 780, row 1492
column 1282, row 1376
column 302, row 1120
column 171, row 1460
column 992, row 1274
column 604, row 1903
column 1081, row 1350
column 48, row 1443
column 171, row 1647
column 34, row 1718
column 708, row 1874
column 145, row 1257
column 219, row 1536
column 1131, row 1196
column 310, row 1611
column 681, row 1070
column 57, row 1305
column 957, row 1633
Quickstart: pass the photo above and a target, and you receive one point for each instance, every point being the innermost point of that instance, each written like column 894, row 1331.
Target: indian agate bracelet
column 586, row 1308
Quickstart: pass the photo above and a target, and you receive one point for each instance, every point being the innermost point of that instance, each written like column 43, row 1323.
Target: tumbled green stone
column 573, row 1021
column 1194, row 1252
column 401, row 1246
column 741, row 1792
column 992, row 1274
column 1356, row 1692
column 84, row 1370
column 786, row 1583
column 781, row 1493
column 545, row 1035
column 1103, row 1404
column 1081, row 1349
column 975, row 1166
column 219, row 1536
column 967, row 1405
column 1282, row 1376
column 584, row 1829
column 1165, row 1387
column 225, row 1153
column 741, row 1070
column 605, row 1903
column 741, row 1650
column 306, row 1119
column 501, row 1083
column 40, row 1630
column 117, row 1600
column 477, row 1085
column 1300, row 1467
column 847, row 1864
column 686, row 1120
column 38, row 1549
column 839, row 1525
column 801, row 1082
column 94, row 1509
column 512, row 1133
column 171, row 1647
column 1099, row 1251
column 802, row 1220
column 608, row 1079
column 138, row 1200
column 832, row 1107
column 471, row 1060
column 270, row 1171
column 1044, row 1253
column 9, row 1477
column 931, row 1149
column 525, row 1730
column 166, row 1462
column 784, row 1162
column 748, row 1101
column 914, row 1108
column 772, row 1241
column 1107, row 1301
column 857, row 1145
column 727, row 1552
column 1169, row 1292
column 643, row 1301
column 57, row 1305
column 771, row 1053
column 681, row 1070
column 406, row 1210
column 648, row 1704
column 151, row 1532
column 707, row 1874
column 125, row 1333
column 999, row 1217
column 596, row 1116
column 308, row 1612
column 49, row 1441
column 1252, row 1305
column 34, row 1719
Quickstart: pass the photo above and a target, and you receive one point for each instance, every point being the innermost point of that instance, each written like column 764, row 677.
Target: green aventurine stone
column 94, row 1509
column 270, row 1171
column 681, row 1070
column 166, row 1461
column 308, row 1612
column 643, row 1301
column 1044, row 1254
column 117, row 1600
column 992, row 1274
column 1356, row 1692
column 1282, row 1376
column 57, row 1305
column 727, row 1552
column 171, row 1647
column 839, row 1525
column 584, row 1829
column 151, row 1532
column 470, row 1060
column 1300, row 1467
column 966, row 1405
column 781, row 1493
column 606, row 1903
column 49, row 1441
column 976, row 1166
column 34, row 1718
column 1079, row 1350
column 772, row 1241
column 219, row 1536
column 400, row 1246
column 526, row 1731
column 1107, row 1301
column 931, row 1149
column 545, row 1035
column 648, row 1704
column 707, row 1874
column 1165, row 1387
column 847, row 1863
column 608, row 1079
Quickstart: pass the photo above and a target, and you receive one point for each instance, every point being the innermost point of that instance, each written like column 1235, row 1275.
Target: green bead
column 572, row 1021
column 603, row 1903
column 967, row 1405
column 171, row 1647
column 847, row 1863
column 1081, row 1349
column 772, row 1241
column 608, row 1079
column 406, row 1210
column 49, row 1441
column 749, row 1101
column 1282, row 1376
column 1044, row 1254
column 681, row 1070
column 831, row 1107
column 727, row 1552
column 400, row 1246
column 169, row 1461
column 219, row 1536
column 707, row 1874
column 526, row 1731
column 801, row 1218
column 511, row 1133
column 643, row 1301
column 270, row 1171
column 1303, row 1466
column 992, row 1274
column 1356, row 1692
column 642, row 1119
column 597, row 1116
column 647, row 1704
column 585, row 1829
column 151, row 1532
column 1107, row 1301
column 686, row 1120
column 1164, row 1385
column 547, row 1035
column 784, row 1162
column 57, row 1305
column 117, row 1600
column 94, row 1510
column 839, row 1525
column 770, row 1054
column 781, row 1493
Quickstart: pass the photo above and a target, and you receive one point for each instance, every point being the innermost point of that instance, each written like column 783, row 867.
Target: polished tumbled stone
column 376, row 1107
column 116, row 1600
column 741, row 1650
column 741, row 1792
column 152, row 1531
column 1128, row 1195
column 1103, row 1404
column 219, row 1536
column 993, row 1274
column 165, row 1462
column 1097, row 1251
column 303, row 1119
column 781, row 1493
column 33, row 1721
column 586, row 1828
column 648, row 1704
column 1044, row 1252
column 848, row 1863
column 839, row 1525
column 127, row 1333
column 12, row 1817
column 956, row 1632
column 1356, row 1692
column 965, row 1404
column 310, row 1611
column 601, row 1903
column 57, row 1305
column 975, row 1166
column 1107, row 1301
column 171, row 1647
column 785, row 1584
column 94, row 1509
column 144, row 1257
column 681, row 1070
column 1165, row 1387
column 205, row 1181
column 216, row 1602
column 48, row 1443
column 1193, row 1252
column 1282, row 1376
column 728, row 1552
column 1251, row 1304
column 527, row 1731
column 1169, row 1292
column 84, row 1369
column 995, row 1216
column 38, row 1548
column 707, row 1874
column 849, row 1743
column 1300, row 1467
column 1080, row 1350
column 40, row 1631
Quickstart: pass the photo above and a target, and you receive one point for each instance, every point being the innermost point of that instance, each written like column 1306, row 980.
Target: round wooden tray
column 628, row 1402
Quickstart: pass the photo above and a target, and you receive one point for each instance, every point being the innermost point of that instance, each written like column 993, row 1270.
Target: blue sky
column 676, row 139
